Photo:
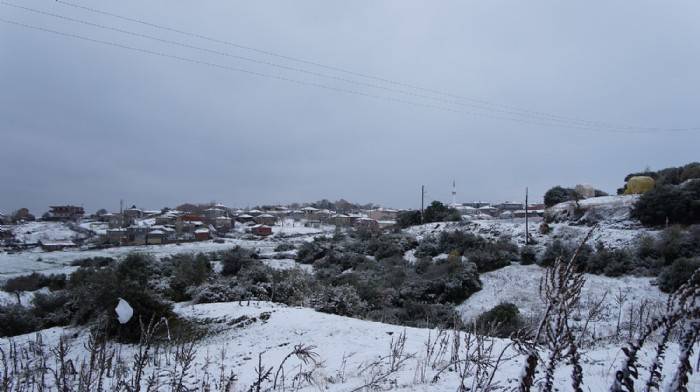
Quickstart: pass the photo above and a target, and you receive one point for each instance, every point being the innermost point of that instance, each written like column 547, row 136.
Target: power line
column 262, row 62
column 300, row 82
column 509, row 109
column 285, row 67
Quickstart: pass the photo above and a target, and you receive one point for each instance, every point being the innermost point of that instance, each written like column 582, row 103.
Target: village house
column 202, row 234
column 255, row 212
column 265, row 219
column 116, row 236
column 466, row 210
column 244, row 218
column 488, row 210
column 367, row 224
column 133, row 213
column 323, row 215
column 261, row 230
column 215, row 212
column 54, row 245
column 155, row 237
column 167, row 218
column 383, row 214
column 341, row 220
column 137, row 234
column 66, row 213
column 223, row 224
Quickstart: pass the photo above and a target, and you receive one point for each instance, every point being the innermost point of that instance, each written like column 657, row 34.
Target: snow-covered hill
column 345, row 348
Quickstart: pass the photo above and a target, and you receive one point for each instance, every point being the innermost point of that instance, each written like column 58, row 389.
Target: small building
column 488, row 210
column 116, row 236
column 137, row 234
column 243, row 218
column 133, row 213
column 223, row 223
column 255, row 212
column 261, row 230
column 66, row 213
column 367, row 224
column 467, row 210
column 54, row 245
column 341, row 220
column 383, row 214
column 202, row 234
column 265, row 219
column 5, row 219
column 214, row 212
column 155, row 237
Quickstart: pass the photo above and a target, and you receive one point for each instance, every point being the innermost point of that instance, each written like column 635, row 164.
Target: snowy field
column 519, row 285
column 611, row 236
column 345, row 348
column 33, row 232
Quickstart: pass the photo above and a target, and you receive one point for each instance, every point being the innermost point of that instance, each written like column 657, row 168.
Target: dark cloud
column 86, row 123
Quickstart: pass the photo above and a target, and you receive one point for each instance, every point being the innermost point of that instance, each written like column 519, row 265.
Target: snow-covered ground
column 33, row 232
column 519, row 285
column 344, row 346
column 611, row 236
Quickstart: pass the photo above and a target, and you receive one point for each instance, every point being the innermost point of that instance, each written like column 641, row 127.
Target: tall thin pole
column 527, row 232
column 422, row 201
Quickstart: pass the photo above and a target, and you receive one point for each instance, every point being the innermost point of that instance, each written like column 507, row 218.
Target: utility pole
column 422, row 202
column 527, row 232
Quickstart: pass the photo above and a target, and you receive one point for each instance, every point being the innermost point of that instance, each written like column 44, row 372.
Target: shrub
column 188, row 271
column 502, row 320
column 487, row 259
column 51, row 309
column 235, row 259
column 310, row 251
column 558, row 248
column 341, row 300
column 284, row 247
column 383, row 247
column 558, row 195
column 438, row 212
column 610, row 262
column 35, row 281
column 95, row 292
column 16, row 320
column 92, row 262
column 408, row 218
column 218, row 292
column 674, row 275
column 669, row 203
column 527, row 255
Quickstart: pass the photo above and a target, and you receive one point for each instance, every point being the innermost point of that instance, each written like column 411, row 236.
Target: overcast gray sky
column 90, row 124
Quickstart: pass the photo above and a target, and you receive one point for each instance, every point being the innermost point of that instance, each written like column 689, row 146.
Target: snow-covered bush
column 221, row 291
column 527, row 255
column 341, row 300
column 674, row 275
column 188, row 271
column 501, row 321
column 34, row 281
column 677, row 204
column 235, row 259
column 311, row 251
